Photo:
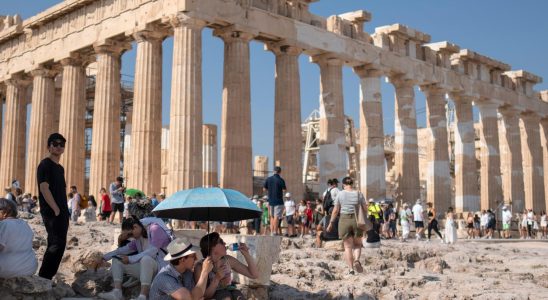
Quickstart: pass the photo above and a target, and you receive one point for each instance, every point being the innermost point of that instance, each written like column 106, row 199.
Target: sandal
column 358, row 266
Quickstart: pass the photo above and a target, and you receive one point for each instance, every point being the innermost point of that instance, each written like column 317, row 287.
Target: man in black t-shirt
column 275, row 185
column 53, row 205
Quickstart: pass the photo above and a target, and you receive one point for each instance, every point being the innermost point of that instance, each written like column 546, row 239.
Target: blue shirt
column 168, row 281
column 275, row 186
column 154, row 202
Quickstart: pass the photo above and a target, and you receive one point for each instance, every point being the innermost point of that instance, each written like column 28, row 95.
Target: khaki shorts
column 348, row 227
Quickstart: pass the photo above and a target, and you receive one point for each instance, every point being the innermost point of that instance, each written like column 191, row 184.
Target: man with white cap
column 176, row 281
column 506, row 220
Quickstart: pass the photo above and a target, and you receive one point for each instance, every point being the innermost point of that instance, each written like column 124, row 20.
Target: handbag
column 362, row 220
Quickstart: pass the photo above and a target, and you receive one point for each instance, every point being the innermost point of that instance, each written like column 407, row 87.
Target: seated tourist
column 17, row 258
column 150, row 238
column 219, row 284
column 323, row 235
column 176, row 280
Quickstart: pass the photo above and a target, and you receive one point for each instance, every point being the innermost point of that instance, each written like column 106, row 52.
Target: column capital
column 283, row 48
column 368, row 71
column 460, row 96
column 235, row 33
column 149, row 32
column 44, row 72
column 185, row 20
column 401, row 81
column 111, row 46
column 530, row 116
column 509, row 111
column 433, row 89
column 486, row 104
column 326, row 59
column 72, row 61
column 19, row 80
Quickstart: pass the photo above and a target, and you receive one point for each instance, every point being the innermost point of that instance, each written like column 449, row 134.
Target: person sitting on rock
column 219, row 285
column 17, row 258
column 150, row 238
column 176, row 280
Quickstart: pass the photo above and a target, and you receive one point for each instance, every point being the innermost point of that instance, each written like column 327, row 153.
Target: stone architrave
column 41, row 123
column 466, row 178
column 438, row 180
column 544, row 142
column 12, row 157
column 287, row 118
column 491, row 181
column 533, row 170
column 511, row 159
column 185, row 128
column 260, row 167
column 146, row 125
column 72, row 121
column 332, row 142
column 210, row 167
column 372, row 164
column 236, row 156
column 105, row 146
column 406, row 158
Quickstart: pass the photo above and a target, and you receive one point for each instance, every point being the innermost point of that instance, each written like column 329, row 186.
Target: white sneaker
column 115, row 294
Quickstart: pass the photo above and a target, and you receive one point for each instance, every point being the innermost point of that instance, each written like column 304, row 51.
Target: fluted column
column 438, row 180
column 210, row 174
column 236, row 156
column 466, row 178
column 511, row 159
column 260, row 166
column 287, row 118
column 105, row 146
column 544, row 142
column 41, row 123
column 185, row 128
column 372, row 166
column 332, row 142
column 146, row 127
column 12, row 157
column 491, row 182
column 406, row 150
column 533, row 171
column 72, row 121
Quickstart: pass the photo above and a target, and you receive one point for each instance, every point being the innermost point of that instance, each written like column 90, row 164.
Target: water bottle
column 233, row 247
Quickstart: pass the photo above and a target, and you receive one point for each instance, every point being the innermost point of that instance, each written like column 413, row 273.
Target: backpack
column 140, row 209
column 328, row 202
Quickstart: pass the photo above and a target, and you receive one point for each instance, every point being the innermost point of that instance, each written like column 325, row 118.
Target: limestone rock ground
column 412, row 270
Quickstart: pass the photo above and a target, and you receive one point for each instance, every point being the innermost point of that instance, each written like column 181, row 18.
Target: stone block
column 265, row 250
column 191, row 235
column 333, row 245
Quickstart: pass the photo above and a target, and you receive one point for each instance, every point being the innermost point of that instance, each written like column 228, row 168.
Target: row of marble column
column 523, row 182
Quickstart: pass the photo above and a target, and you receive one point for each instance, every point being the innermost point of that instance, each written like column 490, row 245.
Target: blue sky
column 514, row 32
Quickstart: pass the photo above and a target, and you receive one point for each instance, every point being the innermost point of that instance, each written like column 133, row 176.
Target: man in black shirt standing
column 275, row 185
column 53, row 205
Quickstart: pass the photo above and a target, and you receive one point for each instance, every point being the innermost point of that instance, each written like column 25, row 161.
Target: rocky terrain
column 412, row 270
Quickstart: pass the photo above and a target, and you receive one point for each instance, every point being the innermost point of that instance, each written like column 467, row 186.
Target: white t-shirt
column 289, row 207
column 506, row 216
column 483, row 220
column 417, row 213
column 17, row 258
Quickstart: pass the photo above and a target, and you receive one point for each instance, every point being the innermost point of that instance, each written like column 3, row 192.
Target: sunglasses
column 58, row 144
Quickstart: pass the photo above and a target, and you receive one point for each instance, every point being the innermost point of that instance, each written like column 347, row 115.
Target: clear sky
column 514, row 32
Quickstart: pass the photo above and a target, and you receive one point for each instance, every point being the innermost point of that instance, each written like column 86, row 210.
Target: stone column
column 12, row 157
column 146, row 125
column 544, row 142
column 287, row 118
column 372, row 166
column 72, row 121
column 41, row 123
column 332, row 141
column 466, row 179
column 185, row 128
column 210, row 174
column 491, row 182
column 260, row 167
column 406, row 150
column 105, row 146
column 533, row 170
column 236, row 170
column 511, row 159
column 438, row 180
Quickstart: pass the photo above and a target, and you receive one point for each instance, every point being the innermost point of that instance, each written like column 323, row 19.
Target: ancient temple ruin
column 66, row 38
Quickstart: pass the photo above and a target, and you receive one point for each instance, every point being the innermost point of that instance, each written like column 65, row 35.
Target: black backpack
column 328, row 202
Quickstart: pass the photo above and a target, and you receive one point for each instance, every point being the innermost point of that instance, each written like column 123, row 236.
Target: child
column 303, row 218
column 308, row 212
column 89, row 213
